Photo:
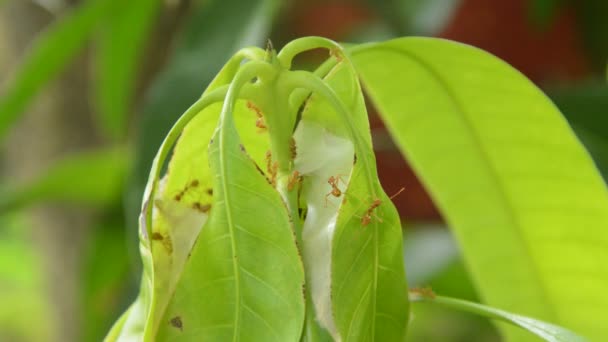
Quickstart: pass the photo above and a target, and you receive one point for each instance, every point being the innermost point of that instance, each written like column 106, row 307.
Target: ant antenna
column 397, row 193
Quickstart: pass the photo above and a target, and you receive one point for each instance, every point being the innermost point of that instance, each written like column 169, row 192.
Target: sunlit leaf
column 526, row 203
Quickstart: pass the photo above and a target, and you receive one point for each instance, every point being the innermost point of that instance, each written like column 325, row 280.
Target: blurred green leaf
column 22, row 288
column 106, row 277
column 584, row 105
column 546, row 331
column 594, row 26
column 95, row 177
column 120, row 47
column 523, row 197
column 585, row 108
column 542, row 12
column 48, row 55
column 209, row 38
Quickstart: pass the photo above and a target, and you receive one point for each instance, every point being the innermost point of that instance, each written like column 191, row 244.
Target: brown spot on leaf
column 177, row 323
column 210, row 192
column 203, row 208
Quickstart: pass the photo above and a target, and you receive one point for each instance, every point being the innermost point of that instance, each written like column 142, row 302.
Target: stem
column 249, row 71
column 295, row 47
column 547, row 331
column 252, row 53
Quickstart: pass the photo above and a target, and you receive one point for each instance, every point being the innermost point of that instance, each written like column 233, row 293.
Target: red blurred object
column 504, row 29
column 334, row 19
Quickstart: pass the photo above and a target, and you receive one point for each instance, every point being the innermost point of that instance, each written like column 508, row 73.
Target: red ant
column 335, row 190
column 272, row 168
column 367, row 218
column 294, row 179
column 259, row 122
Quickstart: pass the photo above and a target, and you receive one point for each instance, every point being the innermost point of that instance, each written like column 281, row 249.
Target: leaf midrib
column 235, row 266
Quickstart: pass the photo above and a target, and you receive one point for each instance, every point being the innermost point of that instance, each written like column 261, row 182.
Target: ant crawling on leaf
column 259, row 122
column 335, row 190
column 272, row 168
column 367, row 218
column 294, row 179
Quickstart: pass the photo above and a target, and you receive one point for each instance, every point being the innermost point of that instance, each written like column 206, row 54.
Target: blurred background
column 88, row 89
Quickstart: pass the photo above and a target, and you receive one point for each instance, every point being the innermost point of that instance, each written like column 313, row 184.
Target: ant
column 335, row 52
column 272, row 168
column 293, row 150
column 367, row 218
column 259, row 122
column 294, row 179
column 335, row 190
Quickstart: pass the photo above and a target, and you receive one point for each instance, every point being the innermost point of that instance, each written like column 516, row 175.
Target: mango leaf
column 523, row 197
column 176, row 222
column 362, row 243
column 48, row 55
column 209, row 38
column 92, row 177
column 119, row 48
column 245, row 261
column 546, row 331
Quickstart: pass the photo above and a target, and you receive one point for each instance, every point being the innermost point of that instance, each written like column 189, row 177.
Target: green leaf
column 92, row 177
column 119, row 48
column 366, row 282
column 107, row 275
column 23, row 285
column 546, row 331
column 523, row 197
column 210, row 37
column 245, row 259
column 48, row 56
